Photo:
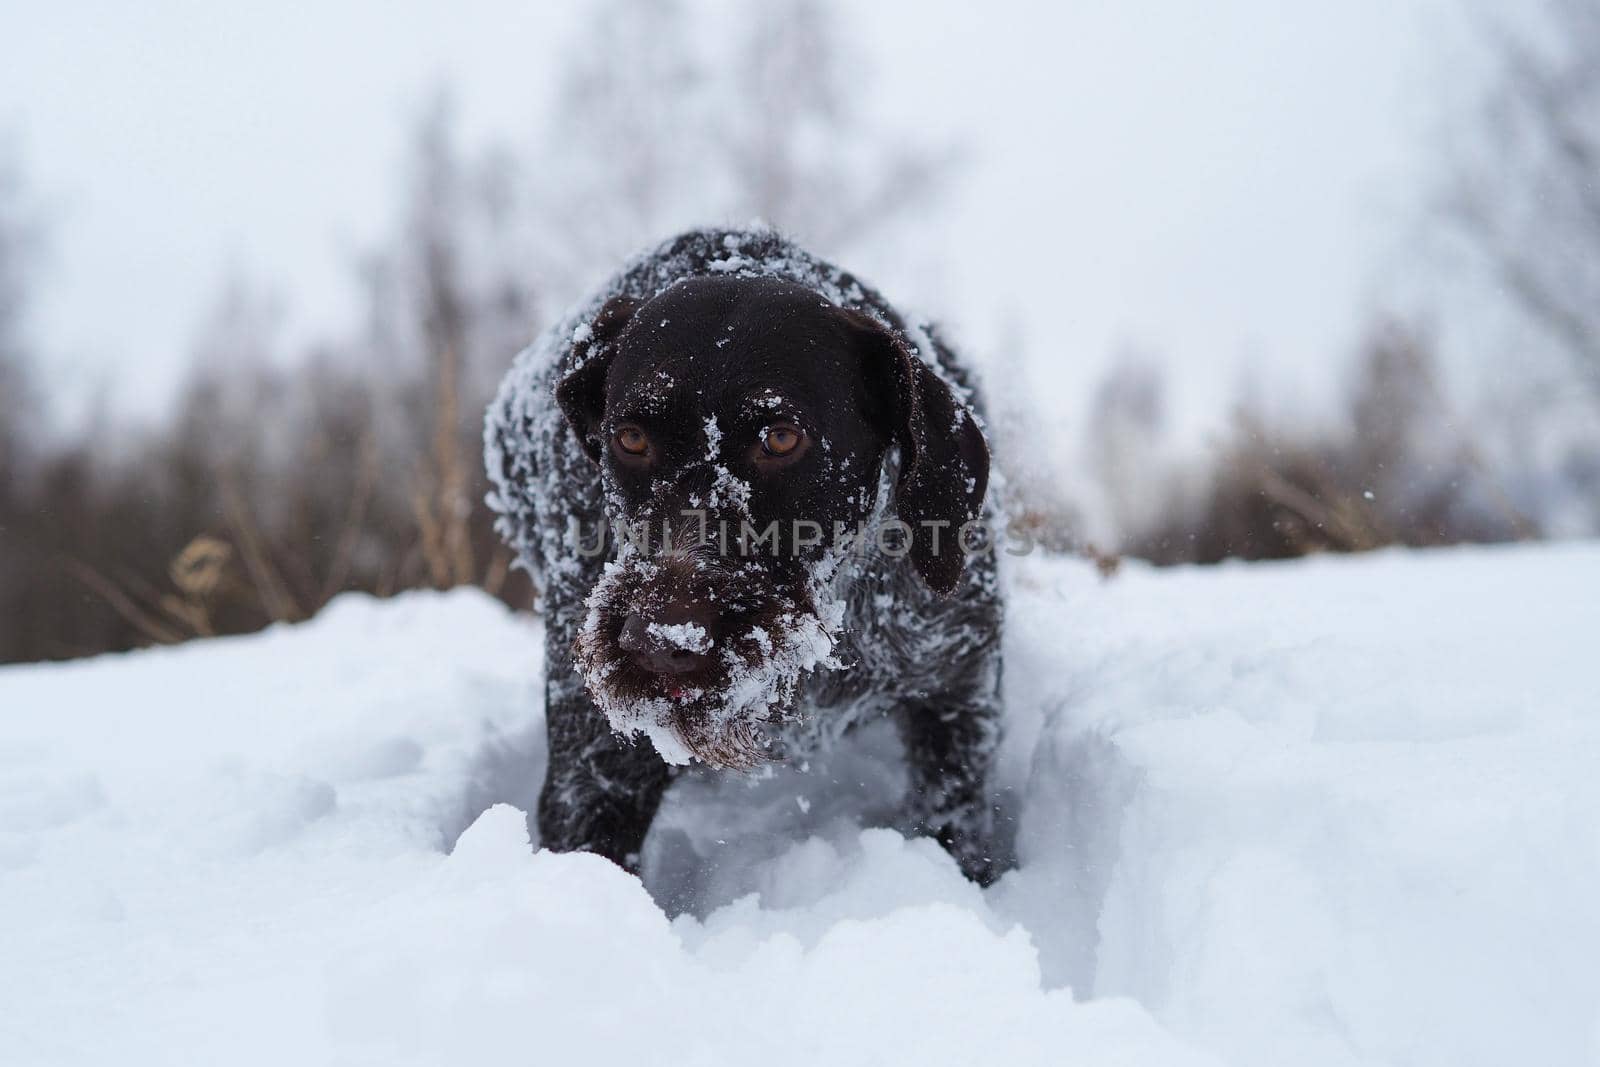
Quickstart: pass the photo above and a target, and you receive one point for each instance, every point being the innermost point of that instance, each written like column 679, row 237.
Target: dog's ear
column 944, row 460
column 582, row 393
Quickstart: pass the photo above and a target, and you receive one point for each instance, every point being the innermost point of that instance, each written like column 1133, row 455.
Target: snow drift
column 1335, row 812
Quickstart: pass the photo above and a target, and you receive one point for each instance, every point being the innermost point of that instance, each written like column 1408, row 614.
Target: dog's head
column 740, row 426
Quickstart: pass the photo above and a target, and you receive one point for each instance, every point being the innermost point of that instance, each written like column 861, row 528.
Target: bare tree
column 655, row 129
column 449, row 299
column 1526, row 192
column 15, row 399
column 798, row 146
column 624, row 149
column 18, row 243
column 439, row 494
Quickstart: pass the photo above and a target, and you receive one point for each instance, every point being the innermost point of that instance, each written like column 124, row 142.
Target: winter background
column 1245, row 283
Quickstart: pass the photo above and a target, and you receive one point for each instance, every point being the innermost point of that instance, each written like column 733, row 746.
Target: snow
column 1341, row 811
column 685, row 635
column 713, row 439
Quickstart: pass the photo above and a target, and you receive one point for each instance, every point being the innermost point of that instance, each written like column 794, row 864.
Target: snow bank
column 1336, row 812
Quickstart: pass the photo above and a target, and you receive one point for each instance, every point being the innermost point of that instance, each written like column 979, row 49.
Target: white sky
column 1222, row 184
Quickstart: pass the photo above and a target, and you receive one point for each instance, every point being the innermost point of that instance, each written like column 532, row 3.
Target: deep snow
column 1344, row 811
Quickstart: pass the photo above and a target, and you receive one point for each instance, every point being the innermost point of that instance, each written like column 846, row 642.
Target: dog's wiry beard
column 771, row 637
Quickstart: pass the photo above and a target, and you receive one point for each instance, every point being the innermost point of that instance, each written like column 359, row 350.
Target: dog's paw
column 974, row 854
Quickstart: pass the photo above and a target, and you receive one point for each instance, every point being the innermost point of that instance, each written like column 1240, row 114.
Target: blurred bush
column 1399, row 467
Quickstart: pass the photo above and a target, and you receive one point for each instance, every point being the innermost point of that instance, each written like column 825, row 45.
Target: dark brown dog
column 752, row 493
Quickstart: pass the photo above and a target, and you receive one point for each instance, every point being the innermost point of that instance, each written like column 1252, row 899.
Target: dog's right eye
column 631, row 441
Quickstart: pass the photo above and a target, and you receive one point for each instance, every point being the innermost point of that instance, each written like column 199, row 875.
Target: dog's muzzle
column 703, row 651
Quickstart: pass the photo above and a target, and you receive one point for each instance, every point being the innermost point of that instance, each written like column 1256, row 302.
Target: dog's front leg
column 950, row 745
column 600, row 791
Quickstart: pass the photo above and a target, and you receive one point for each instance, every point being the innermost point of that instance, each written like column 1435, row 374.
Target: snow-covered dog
column 753, row 496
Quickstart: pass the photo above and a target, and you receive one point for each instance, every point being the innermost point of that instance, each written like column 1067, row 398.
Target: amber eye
column 780, row 440
column 631, row 439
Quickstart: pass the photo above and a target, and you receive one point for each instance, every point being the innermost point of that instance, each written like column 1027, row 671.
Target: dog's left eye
column 780, row 440
column 631, row 440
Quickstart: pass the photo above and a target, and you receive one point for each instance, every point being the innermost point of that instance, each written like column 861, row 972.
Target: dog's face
column 740, row 426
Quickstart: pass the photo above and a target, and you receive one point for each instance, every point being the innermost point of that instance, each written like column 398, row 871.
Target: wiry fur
column 892, row 645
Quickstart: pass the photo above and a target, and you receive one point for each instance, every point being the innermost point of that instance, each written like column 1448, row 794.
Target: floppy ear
column 944, row 460
column 582, row 393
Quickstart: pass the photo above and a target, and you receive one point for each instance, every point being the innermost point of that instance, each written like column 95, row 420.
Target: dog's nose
column 677, row 641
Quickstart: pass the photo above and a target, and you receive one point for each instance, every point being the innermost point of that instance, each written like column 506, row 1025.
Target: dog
column 754, row 498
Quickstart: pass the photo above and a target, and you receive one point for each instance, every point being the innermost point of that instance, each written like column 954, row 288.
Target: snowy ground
column 1337, row 812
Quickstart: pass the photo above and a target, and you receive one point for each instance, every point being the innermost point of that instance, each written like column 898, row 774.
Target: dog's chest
column 888, row 653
